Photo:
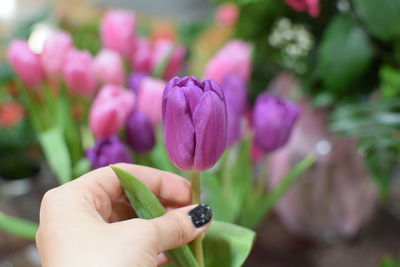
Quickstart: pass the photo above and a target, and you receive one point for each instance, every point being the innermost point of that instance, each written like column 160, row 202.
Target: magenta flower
column 273, row 120
column 227, row 14
column 139, row 132
column 135, row 80
column 310, row 6
column 109, row 68
column 25, row 63
column 141, row 58
column 165, row 50
column 194, row 116
column 78, row 73
column 233, row 58
column 53, row 56
column 118, row 32
column 108, row 151
column 149, row 98
column 110, row 110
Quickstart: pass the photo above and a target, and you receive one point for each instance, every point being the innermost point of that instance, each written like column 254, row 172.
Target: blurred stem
column 262, row 177
column 198, row 242
column 227, row 176
column 19, row 227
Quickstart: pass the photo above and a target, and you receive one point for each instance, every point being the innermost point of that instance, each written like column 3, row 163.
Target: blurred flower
column 235, row 90
column 194, row 116
column 55, row 49
column 336, row 196
column 110, row 110
column 118, row 32
column 108, row 151
column 165, row 50
column 135, row 80
column 273, row 120
column 141, row 60
column 233, row 58
column 310, row 6
column 108, row 67
column 25, row 63
column 78, row 73
column 149, row 98
column 139, row 132
column 10, row 114
column 227, row 14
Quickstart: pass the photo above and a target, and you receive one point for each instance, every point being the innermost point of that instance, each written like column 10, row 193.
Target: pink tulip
column 78, row 73
column 310, row 6
column 233, row 58
column 109, row 68
column 25, row 63
column 227, row 14
column 149, row 98
column 53, row 56
column 110, row 110
column 141, row 60
column 164, row 49
column 118, row 32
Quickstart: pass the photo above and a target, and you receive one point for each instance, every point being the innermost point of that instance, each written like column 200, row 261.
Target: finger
column 180, row 226
column 170, row 188
column 162, row 259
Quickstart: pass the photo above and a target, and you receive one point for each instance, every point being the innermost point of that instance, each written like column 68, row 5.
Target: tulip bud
column 233, row 58
column 25, row 63
column 149, row 98
column 135, row 80
column 139, row 132
column 108, row 67
column 55, row 49
column 194, row 116
column 273, row 120
column 118, row 32
column 78, row 73
column 310, row 6
column 108, row 151
column 141, row 60
column 165, row 50
column 110, row 110
column 235, row 91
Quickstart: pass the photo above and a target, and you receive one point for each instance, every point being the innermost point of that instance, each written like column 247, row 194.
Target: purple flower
column 108, row 151
column 139, row 132
column 135, row 80
column 235, row 90
column 195, row 121
column 273, row 120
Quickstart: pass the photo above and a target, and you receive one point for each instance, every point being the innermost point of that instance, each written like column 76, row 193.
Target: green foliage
column 18, row 227
column 390, row 82
column 388, row 261
column 344, row 55
column 382, row 17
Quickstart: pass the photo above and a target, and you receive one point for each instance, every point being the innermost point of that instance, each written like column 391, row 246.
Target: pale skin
column 89, row 222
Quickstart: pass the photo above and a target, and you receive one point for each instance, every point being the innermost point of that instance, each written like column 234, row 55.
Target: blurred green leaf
column 147, row 206
column 390, row 82
column 19, row 227
column 344, row 55
column 382, row 17
column 227, row 244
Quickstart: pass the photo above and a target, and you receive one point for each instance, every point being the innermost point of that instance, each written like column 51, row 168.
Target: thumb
column 181, row 226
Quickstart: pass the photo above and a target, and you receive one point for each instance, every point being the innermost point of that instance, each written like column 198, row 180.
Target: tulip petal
column 178, row 129
column 209, row 120
column 193, row 95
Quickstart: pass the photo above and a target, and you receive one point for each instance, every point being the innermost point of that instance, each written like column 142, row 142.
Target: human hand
column 89, row 221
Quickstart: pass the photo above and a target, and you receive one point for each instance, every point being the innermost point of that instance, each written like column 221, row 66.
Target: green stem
column 198, row 242
column 262, row 178
column 18, row 227
column 226, row 176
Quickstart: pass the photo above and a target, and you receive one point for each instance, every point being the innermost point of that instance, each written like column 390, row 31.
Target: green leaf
column 344, row 55
column 56, row 152
column 159, row 156
column 255, row 212
column 147, row 206
column 227, row 244
column 382, row 17
column 19, row 227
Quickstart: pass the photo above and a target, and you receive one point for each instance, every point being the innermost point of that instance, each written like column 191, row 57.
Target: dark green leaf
column 227, row 245
column 147, row 206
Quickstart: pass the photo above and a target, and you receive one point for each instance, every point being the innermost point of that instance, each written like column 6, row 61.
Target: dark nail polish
column 200, row 215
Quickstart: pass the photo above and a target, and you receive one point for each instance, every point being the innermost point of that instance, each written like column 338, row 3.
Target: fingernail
column 200, row 215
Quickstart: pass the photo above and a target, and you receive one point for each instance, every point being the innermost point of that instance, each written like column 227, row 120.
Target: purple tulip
column 235, row 90
column 195, row 121
column 139, row 132
column 108, row 151
column 273, row 120
column 135, row 80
